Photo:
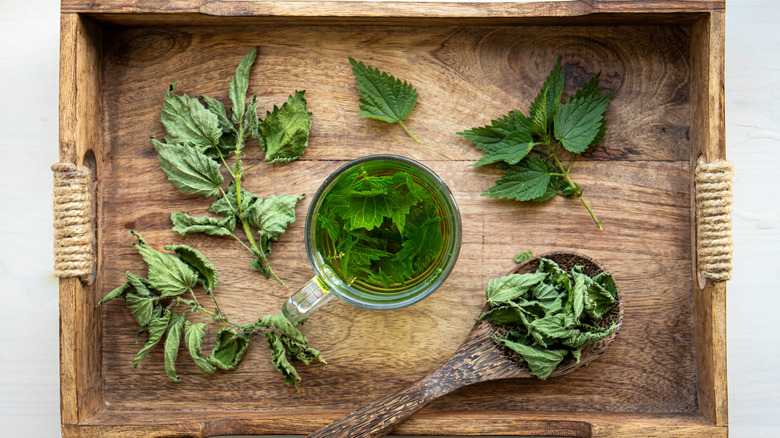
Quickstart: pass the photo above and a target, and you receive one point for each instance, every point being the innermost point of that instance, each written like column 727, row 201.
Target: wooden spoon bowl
column 478, row 359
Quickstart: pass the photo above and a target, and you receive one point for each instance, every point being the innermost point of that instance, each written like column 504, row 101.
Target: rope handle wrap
column 73, row 230
column 714, row 197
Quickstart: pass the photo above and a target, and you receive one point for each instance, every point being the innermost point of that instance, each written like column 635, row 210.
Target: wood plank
column 416, row 345
column 69, row 390
column 487, row 65
column 708, row 139
column 479, row 423
column 80, row 88
column 389, row 9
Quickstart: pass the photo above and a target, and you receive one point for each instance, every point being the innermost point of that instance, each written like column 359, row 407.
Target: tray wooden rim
column 82, row 413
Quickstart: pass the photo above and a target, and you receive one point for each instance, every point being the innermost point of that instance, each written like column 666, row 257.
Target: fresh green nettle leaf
column 152, row 302
column 549, row 315
column 526, row 147
column 383, row 97
column 284, row 134
column 384, row 229
column 200, row 139
column 524, row 181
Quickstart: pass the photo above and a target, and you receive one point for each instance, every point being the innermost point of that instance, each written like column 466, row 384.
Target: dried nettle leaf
column 549, row 315
column 201, row 139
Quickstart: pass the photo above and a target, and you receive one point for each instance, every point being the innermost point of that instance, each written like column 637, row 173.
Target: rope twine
column 714, row 182
column 73, row 234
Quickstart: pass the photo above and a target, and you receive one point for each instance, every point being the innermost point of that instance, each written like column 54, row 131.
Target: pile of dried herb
column 550, row 315
column 153, row 301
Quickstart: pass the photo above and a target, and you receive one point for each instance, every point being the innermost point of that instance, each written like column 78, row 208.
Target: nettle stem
column 255, row 250
column 565, row 174
column 407, row 131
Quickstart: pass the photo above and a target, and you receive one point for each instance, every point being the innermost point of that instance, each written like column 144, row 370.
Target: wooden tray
column 665, row 374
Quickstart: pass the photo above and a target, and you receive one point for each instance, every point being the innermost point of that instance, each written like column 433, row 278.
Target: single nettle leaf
column 121, row 291
column 579, row 121
column 228, row 205
column 302, row 352
column 522, row 256
column 251, row 122
column 541, row 361
column 218, row 109
column 183, row 224
column 578, row 293
column 141, row 286
column 507, row 138
column 172, row 341
column 551, row 328
column 157, row 328
column 193, row 339
column 524, row 181
column 228, row 349
column 545, row 293
column 358, row 257
column 505, row 314
column 207, row 272
column 383, row 96
column 167, row 274
column 141, row 307
column 272, row 215
column 285, row 327
column 279, row 359
column 284, row 134
column 511, row 287
column 579, row 339
column 239, row 85
column 188, row 169
column 423, row 238
column 546, row 103
column 187, row 121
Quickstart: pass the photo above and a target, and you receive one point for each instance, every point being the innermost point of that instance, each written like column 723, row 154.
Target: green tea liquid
column 382, row 228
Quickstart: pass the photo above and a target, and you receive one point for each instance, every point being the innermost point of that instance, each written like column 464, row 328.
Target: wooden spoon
column 479, row 359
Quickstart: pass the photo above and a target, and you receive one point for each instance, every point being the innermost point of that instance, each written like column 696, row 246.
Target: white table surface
column 29, row 379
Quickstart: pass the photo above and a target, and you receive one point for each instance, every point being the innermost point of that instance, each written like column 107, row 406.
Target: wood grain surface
column 638, row 182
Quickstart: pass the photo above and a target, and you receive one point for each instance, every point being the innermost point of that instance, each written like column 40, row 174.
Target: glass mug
column 327, row 282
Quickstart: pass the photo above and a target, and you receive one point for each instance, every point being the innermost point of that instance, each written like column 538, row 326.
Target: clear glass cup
column 327, row 282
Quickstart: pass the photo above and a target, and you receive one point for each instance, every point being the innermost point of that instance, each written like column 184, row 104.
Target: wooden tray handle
column 73, row 222
column 714, row 247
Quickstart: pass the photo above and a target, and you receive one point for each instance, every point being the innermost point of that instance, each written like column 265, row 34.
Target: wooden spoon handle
column 381, row 417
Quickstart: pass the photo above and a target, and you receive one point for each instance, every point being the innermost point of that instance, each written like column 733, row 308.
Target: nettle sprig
column 528, row 147
column 201, row 139
column 383, row 97
column 161, row 302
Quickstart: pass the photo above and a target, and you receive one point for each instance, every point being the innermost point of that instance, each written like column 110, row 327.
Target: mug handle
column 313, row 295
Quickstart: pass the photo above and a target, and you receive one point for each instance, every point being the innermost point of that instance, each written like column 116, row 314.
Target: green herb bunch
column 576, row 125
column 550, row 315
column 385, row 229
column 153, row 303
column 200, row 139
